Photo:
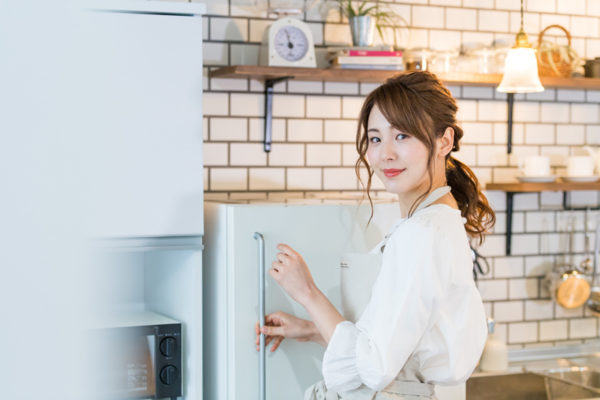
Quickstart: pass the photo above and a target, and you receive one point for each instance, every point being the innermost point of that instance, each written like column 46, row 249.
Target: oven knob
column 168, row 375
column 167, row 346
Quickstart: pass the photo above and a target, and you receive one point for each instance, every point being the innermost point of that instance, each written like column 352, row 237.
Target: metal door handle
column 261, row 310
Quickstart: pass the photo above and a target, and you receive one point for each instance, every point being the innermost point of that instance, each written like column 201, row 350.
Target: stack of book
column 365, row 58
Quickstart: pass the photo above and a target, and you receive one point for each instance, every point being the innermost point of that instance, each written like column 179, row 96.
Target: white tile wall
column 314, row 129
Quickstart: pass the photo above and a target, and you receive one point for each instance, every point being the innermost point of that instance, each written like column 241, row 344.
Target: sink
column 527, row 386
column 581, row 376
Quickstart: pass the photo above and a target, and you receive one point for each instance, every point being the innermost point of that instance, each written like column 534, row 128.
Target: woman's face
column 397, row 158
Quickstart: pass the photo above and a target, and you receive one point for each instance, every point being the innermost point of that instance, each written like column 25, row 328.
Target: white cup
column 580, row 166
column 535, row 166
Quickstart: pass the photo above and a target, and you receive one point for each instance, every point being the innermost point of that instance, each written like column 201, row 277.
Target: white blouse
column 424, row 306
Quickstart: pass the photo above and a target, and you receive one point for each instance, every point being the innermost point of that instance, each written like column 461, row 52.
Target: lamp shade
column 520, row 72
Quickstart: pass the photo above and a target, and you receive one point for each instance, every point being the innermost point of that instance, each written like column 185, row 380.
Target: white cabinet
column 143, row 120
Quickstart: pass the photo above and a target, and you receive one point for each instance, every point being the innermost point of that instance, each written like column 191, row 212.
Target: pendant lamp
column 520, row 66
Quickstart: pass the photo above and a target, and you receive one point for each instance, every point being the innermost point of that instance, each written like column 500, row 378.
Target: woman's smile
column 391, row 172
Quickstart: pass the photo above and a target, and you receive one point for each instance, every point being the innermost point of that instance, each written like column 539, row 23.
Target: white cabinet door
column 321, row 234
column 143, row 124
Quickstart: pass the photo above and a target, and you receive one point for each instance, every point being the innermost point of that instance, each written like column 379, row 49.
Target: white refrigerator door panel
column 321, row 234
column 144, row 131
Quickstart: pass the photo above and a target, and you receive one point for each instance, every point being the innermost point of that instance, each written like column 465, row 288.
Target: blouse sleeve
column 408, row 289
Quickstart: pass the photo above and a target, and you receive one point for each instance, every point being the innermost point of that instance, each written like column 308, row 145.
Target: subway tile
column 539, row 134
column 592, row 47
column 445, row 2
column 456, row 91
column 230, row 29
column 304, row 178
column 428, row 17
column 477, row 132
column 491, row 155
column 501, row 133
column 228, row 179
column 341, row 87
column 525, row 244
column 204, row 128
column 494, row 245
column 247, row 8
column 366, row 88
column 492, row 111
column 267, row 179
column 497, row 199
column 555, row 112
column 295, row 86
column 484, row 175
column 508, row 267
column 258, row 28
column 467, row 110
column 247, row 104
column 519, row 153
column 340, row 131
column 520, row 288
column 570, row 95
column 478, row 3
column 247, row 154
column 215, row 104
column 337, row 35
column 444, row 39
column 538, row 309
column 526, row 201
column 349, row 155
column 478, row 92
column 323, row 107
column 550, row 242
column 584, row 26
column 556, row 19
column 551, row 199
column 467, row 154
column 584, row 198
column 228, row 84
column 317, row 32
column 540, row 6
column 288, row 106
column 206, row 181
column 508, row 311
column 214, row 7
column 418, row 37
column 339, row 179
column 593, row 8
column 582, row 328
column 351, row 107
column 538, row 266
column 584, row 113
column 305, row 130
column 531, row 23
column 570, row 134
column 539, row 221
column 286, row 154
column 560, row 312
column 459, row 19
column 481, row 37
column 572, row 7
column 526, row 111
column 592, row 96
column 556, row 153
column 323, row 155
column 495, row 21
column 505, row 174
column 507, row 4
column 494, row 289
column 546, row 95
column 228, row 129
column 215, row 53
column 214, row 154
column 522, row 332
column 553, row 330
column 257, row 129
column 592, row 134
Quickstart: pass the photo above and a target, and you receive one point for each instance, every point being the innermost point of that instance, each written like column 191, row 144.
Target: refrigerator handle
column 261, row 308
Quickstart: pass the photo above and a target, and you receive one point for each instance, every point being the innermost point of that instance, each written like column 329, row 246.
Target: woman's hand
column 292, row 274
column 280, row 325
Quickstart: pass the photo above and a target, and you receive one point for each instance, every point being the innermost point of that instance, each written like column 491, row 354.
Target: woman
column 425, row 321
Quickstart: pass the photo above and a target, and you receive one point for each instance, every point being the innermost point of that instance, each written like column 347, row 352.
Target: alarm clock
column 288, row 43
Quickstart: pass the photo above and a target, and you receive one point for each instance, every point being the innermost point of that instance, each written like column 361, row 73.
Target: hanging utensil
column 586, row 265
column 567, row 283
column 593, row 303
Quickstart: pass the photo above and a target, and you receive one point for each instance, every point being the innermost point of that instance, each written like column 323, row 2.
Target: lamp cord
column 521, row 14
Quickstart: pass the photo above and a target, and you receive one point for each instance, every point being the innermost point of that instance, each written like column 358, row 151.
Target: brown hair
column 419, row 104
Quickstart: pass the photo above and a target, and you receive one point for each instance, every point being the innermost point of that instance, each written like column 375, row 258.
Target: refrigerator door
column 321, row 234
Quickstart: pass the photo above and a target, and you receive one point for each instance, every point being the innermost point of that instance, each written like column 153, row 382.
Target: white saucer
column 537, row 179
column 593, row 178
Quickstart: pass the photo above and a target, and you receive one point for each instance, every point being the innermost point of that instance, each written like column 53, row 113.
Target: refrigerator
column 322, row 234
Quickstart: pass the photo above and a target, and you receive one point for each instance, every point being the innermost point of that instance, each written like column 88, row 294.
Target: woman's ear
column 445, row 143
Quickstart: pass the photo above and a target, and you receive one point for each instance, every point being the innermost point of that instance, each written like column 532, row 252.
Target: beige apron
column 408, row 385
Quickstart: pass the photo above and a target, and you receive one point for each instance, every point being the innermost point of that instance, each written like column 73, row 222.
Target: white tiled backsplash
column 314, row 126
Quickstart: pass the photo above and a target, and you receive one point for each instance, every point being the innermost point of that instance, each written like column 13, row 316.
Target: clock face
column 291, row 43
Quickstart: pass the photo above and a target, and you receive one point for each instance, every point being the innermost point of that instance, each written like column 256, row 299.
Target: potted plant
column 364, row 17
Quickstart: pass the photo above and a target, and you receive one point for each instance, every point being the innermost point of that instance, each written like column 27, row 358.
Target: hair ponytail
column 471, row 201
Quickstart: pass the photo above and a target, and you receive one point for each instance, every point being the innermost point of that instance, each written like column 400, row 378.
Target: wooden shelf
column 516, row 187
column 375, row 76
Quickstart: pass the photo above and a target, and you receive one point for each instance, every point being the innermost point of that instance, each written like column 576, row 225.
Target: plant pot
column 363, row 30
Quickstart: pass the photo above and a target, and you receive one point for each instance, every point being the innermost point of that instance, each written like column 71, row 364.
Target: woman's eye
column 374, row 140
column 401, row 136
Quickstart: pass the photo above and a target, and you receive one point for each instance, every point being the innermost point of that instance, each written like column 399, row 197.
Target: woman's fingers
column 276, row 343
column 273, row 330
column 287, row 249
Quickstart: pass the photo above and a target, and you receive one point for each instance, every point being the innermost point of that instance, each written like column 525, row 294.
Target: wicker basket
column 553, row 59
